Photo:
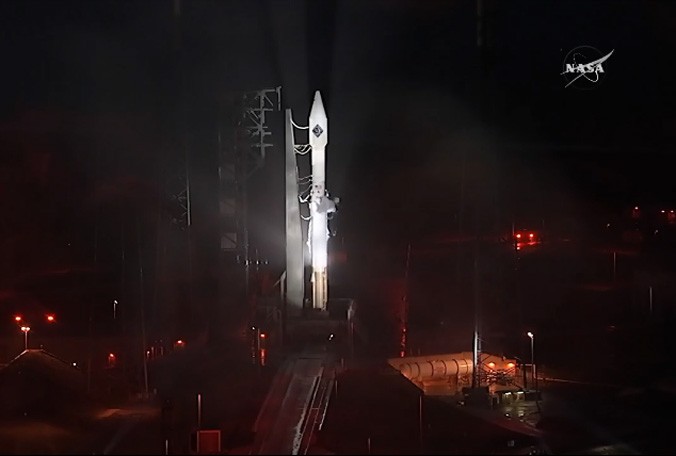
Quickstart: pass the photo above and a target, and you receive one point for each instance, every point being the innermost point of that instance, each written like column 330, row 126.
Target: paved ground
column 616, row 420
column 107, row 431
column 232, row 391
column 373, row 410
column 378, row 411
column 36, row 437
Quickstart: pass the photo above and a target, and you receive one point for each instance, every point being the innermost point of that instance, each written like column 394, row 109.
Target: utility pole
column 406, row 305
column 142, row 304
column 90, row 317
column 421, row 434
column 476, row 345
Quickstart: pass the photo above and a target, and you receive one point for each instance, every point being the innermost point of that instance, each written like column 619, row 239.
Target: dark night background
column 99, row 98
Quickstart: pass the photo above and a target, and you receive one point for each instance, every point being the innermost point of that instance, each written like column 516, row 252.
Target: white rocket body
column 320, row 204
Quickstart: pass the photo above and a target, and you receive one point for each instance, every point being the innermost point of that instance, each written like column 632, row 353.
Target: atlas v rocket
column 320, row 204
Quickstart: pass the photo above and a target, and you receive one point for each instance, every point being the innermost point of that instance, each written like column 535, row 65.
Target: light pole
column 199, row 411
column 532, row 359
column 25, row 330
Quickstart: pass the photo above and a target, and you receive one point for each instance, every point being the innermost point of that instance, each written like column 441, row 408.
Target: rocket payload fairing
column 320, row 204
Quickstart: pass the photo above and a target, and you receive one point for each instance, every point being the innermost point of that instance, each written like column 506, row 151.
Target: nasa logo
column 583, row 67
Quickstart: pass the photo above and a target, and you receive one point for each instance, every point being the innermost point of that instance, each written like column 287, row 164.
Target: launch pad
column 331, row 328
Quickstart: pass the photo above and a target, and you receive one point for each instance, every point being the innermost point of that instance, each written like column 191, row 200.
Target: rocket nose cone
column 317, row 111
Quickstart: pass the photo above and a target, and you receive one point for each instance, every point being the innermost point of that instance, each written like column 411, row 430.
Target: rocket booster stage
column 320, row 203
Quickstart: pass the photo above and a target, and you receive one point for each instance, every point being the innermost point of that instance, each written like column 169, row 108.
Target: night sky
column 95, row 93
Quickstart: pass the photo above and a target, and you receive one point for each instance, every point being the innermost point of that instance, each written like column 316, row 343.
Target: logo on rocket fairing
column 317, row 130
column 583, row 67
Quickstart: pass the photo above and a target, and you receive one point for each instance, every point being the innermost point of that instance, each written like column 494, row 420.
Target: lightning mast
column 485, row 45
column 173, row 250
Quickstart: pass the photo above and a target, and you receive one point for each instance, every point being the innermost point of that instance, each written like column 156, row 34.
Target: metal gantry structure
column 174, row 236
column 243, row 145
column 178, row 184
